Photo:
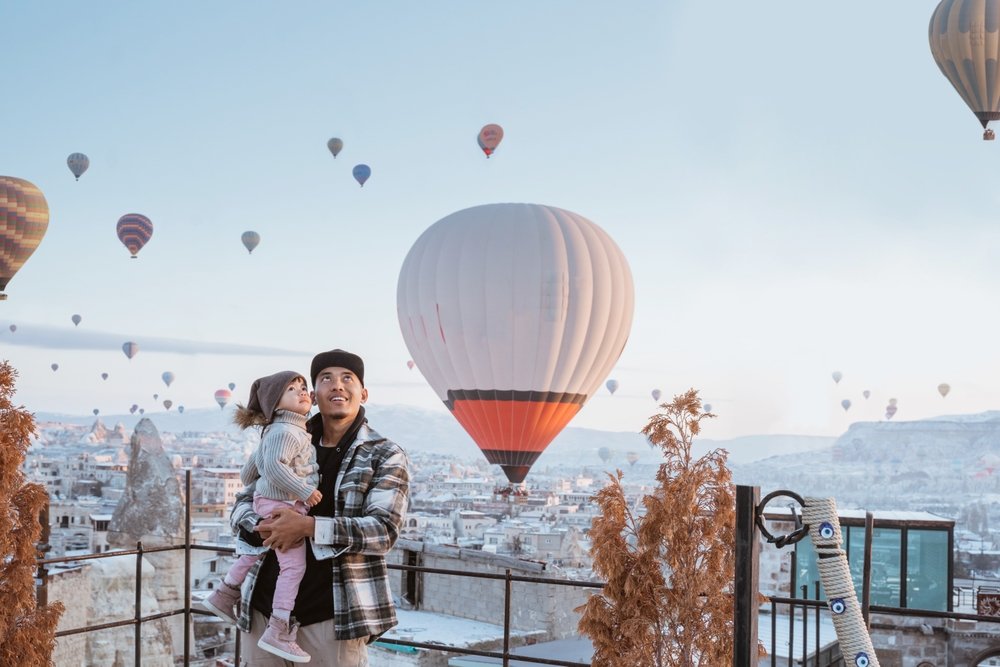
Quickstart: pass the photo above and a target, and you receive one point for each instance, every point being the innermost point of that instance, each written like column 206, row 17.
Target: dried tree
column 27, row 632
column 669, row 571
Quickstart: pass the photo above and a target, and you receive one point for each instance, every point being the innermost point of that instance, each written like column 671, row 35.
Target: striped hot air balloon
column 24, row 217
column 130, row 349
column 134, row 231
column 514, row 314
column 222, row 397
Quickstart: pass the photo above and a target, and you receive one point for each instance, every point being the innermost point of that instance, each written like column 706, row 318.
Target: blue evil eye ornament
column 838, row 606
column 826, row 530
column 861, row 660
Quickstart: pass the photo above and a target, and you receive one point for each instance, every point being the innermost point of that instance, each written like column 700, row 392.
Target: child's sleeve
column 249, row 474
column 279, row 449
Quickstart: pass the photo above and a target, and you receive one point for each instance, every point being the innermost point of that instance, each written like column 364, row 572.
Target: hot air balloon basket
column 511, row 494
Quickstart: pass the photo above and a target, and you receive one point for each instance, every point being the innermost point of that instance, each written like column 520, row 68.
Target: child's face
column 296, row 398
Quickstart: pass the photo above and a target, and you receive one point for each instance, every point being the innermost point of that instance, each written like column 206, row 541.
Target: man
column 344, row 600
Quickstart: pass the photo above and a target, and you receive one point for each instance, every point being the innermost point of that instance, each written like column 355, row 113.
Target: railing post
column 866, row 576
column 746, row 579
column 138, row 605
column 42, row 573
column 506, row 620
column 187, row 567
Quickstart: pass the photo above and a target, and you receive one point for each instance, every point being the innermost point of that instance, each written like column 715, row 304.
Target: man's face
column 338, row 393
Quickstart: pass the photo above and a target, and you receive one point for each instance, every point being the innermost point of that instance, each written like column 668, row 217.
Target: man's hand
column 285, row 528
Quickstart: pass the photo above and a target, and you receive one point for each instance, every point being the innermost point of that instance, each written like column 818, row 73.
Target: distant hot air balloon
column 76, row 320
column 963, row 40
column 893, row 401
column 13, row 328
column 837, row 376
column 167, row 403
column 943, row 389
column 656, row 393
column 604, row 453
column 134, row 231
column 142, row 411
column 168, row 378
column 846, row 404
column 410, row 364
column 335, row 145
column 866, row 394
column 631, row 457
column 514, row 313
column 250, row 241
column 54, row 367
column 130, row 349
column 362, row 172
column 222, row 397
column 707, row 407
column 232, row 385
column 133, row 408
column 104, row 376
column 890, row 410
column 612, row 385
column 180, row 409
column 489, row 138
column 96, row 412
column 24, row 217
column 156, row 397
column 78, row 163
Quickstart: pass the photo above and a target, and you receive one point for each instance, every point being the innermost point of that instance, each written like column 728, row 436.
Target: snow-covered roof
column 427, row 627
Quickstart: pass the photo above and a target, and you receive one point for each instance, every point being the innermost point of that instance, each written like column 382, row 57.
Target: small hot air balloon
column 362, row 172
column 133, row 408
column 604, row 453
column 846, row 404
column 142, row 411
column 890, row 410
column 104, row 376
column 962, row 36
column 156, row 397
column 612, row 385
column 168, row 378
column 943, row 389
column 837, row 376
column 866, row 394
column 335, row 145
column 134, row 231
column 250, row 241
column 232, row 385
column 54, row 367
column 24, row 217
column 13, row 328
column 410, row 364
column 631, row 457
column 489, row 138
column 76, row 320
column 96, row 412
column 180, row 409
column 222, row 397
column 893, row 401
column 78, row 163
column 656, row 393
column 707, row 407
column 167, row 403
column 130, row 349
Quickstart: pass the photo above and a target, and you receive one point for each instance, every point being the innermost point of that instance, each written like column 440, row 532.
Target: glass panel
column 927, row 570
column 855, row 542
column 886, row 548
column 808, row 573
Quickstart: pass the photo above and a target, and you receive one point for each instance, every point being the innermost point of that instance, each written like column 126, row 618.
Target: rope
column 820, row 514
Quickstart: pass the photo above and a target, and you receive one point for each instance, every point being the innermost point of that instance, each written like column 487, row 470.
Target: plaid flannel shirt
column 372, row 493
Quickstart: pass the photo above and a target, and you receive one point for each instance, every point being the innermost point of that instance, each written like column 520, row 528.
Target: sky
column 796, row 187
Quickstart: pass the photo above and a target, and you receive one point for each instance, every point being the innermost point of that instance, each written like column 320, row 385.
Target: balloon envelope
column 54, row 367
column 13, row 328
column 604, row 453
column 222, row 397
column 168, row 378
column 514, row 313
column 250, row 241
column 24, row 217
column 232, row 385
column 130, row 349
column 96, row 412
column 837, row 376
column 76, row 320
column 168, row 404
column 335, row 145
column 180, row 409
column 656, row 393
column 78, row 163
column 866, row 393
column 362, row 172
column 134, row 231
column 410, row 364
column 104, row 376
column 133, row 408
column 890, row 410
column 943, row 389
column 489, row 138
column 612, row 385
column 707, row 407
column 631, row 457
column 846, row 404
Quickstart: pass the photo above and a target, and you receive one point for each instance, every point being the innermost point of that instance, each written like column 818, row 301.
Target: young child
column 284, row 472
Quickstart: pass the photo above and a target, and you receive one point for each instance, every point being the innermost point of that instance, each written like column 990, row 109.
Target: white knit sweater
column 284, row 464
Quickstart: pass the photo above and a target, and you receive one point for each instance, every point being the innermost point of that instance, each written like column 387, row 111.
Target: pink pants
column 291, row 562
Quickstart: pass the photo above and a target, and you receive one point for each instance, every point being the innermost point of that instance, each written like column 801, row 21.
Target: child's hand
column 314, row 498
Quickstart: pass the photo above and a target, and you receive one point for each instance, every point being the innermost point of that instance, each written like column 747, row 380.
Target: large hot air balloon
column 24, row 217
column 78, row 163
column 604, row 453
column 250, row 241
column 965, row 42
column 514, row 313
column 168, row 378
column 362, row 172
column 335, row 145
column 54, row 367
column 130, row 349
column 631, row 457
column 222, row 397
column 612, row 385
column 489, row 138
column 943, row 389
column 846, row 404
column 76, row 320
column 837, row 376
column 656, row 393
column 134, row 231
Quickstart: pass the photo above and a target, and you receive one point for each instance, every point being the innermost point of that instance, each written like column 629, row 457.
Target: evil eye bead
column 826, row 530
column 861, row 660
column 838, row 606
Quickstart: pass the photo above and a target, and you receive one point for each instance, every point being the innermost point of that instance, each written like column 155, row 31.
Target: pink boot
column 279, row 639
column 222, row 602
